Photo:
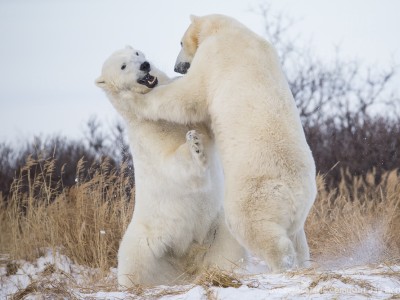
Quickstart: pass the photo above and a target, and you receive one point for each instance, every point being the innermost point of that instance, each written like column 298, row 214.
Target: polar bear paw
column 193, row 139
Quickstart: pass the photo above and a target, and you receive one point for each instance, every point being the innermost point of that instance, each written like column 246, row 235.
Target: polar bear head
column 199, row 29
column 126, row 69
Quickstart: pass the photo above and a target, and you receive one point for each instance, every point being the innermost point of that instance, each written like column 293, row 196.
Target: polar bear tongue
column 148, row 80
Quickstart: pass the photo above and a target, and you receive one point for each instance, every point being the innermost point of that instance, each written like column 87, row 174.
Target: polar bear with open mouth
column 178, row 226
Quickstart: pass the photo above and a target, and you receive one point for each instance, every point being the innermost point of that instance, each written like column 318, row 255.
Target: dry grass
column 51, row 288
column 84, row 222
column 355, row 223
column 215, row 277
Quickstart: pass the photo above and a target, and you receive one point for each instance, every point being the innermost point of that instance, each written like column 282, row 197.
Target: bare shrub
column 64, row 154
column 349, row 113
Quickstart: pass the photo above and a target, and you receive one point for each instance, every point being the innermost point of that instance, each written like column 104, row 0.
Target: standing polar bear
column 235, row 80
column 178, row 225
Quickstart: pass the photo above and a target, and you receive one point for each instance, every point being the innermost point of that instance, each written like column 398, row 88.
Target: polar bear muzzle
column 148, row 80
column 182, row 67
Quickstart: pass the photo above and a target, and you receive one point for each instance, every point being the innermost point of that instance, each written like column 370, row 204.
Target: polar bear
column 178, row 226
column 234, row 79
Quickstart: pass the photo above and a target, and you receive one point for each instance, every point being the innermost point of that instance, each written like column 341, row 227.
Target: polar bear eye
column 137, row 53
column 123, row 67
column 181, row 44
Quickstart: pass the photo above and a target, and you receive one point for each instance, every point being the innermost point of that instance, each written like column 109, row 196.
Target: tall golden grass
column 85, row 222
column 357, row 222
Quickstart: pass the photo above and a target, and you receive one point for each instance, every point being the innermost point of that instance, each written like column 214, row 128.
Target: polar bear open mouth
column 148, row 80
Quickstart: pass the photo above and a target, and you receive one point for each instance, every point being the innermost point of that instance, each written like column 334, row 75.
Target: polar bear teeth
column 152, row 81
column 148, row 80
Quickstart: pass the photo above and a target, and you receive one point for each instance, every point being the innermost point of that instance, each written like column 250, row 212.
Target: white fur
column 235, row 80
column 178, row 224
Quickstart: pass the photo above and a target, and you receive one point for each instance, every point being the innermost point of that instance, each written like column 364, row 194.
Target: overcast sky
column 52, row 51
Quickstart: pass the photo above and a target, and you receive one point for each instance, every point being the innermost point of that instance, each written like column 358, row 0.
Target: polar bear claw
column 196, row 147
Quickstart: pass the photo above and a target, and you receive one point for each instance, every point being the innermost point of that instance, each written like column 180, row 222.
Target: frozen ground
column 54, row 276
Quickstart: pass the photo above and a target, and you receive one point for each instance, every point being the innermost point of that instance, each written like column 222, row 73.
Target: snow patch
column 363, row 282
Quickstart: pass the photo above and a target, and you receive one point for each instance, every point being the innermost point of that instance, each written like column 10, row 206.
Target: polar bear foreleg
column 183, row 101
column 189, row 160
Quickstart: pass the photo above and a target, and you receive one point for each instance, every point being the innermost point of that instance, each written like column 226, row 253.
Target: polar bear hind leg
column 277, row 248
column 261, row 218
column 225, row 252
column 301, row 247
column 139, row 261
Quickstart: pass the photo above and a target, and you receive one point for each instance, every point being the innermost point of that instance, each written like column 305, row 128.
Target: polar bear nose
column 182, row 67
column 145, row 67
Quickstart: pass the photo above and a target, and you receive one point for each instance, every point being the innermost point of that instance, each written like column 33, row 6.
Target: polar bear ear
column 194, row 18
column 128, row 47
column 100, row 82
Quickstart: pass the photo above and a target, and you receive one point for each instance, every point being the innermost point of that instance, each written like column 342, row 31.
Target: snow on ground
column 54, row 276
